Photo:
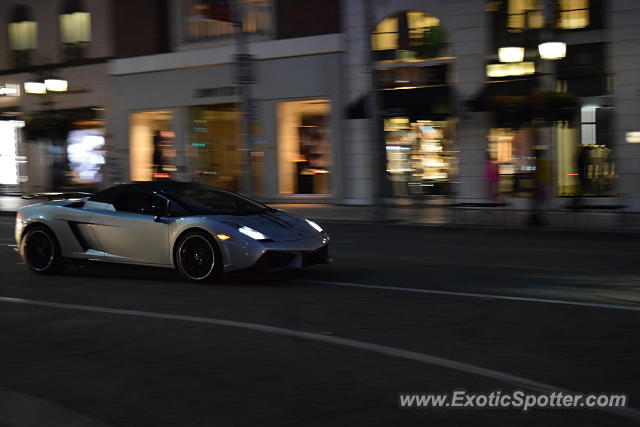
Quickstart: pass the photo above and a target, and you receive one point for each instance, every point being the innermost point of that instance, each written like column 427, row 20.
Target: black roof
column 111, row 194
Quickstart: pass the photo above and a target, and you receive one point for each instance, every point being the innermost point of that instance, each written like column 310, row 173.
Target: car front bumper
column 275, row 256
column 280, row 260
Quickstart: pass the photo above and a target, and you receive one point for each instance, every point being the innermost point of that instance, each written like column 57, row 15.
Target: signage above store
column 10, row 90
column 211, row 92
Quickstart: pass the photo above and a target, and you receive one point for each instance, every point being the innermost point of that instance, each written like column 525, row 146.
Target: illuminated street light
column 552, row 50
column 511, row 54
column 38, row 88
column 56, row 85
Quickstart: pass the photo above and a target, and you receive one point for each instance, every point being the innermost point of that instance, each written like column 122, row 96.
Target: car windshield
column 202, row 200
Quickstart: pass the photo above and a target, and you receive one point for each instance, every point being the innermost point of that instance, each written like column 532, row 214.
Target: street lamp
column 552, row 50
column 35, row 87
column 54, row 84
column 511, row 54
column 46, row 84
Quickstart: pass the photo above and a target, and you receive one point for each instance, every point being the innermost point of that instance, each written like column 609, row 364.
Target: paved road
column 402, row 309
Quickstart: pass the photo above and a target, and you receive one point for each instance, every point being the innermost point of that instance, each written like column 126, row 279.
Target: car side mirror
column 157, row 218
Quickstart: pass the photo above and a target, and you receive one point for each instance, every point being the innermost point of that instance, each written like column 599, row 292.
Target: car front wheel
column 197, row 257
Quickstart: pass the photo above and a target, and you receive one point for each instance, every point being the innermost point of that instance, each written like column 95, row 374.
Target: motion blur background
column 326, row 101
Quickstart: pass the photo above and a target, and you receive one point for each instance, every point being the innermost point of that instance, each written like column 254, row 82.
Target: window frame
column 159, row 209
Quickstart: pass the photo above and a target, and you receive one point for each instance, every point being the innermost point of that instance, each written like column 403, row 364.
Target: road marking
column 423, row 358
column 476, row 295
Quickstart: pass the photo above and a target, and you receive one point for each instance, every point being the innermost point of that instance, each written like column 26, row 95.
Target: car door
column 135, row 231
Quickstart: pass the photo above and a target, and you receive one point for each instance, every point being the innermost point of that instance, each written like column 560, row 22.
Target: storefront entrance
column 303, row 146
column 152, row 155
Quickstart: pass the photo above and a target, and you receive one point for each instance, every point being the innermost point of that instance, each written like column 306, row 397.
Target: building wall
column 294, row 18
column 129, row 38
column 624, row 52
column 46, row 14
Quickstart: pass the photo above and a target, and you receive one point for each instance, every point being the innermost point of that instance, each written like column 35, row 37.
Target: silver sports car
column 202, row 231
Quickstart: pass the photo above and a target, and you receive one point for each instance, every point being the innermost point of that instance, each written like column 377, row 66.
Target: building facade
column 404, row 100
column 179, row 114
column 53, row 137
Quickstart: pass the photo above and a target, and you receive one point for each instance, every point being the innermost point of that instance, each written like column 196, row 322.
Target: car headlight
column 250, row 232
column 314, row 225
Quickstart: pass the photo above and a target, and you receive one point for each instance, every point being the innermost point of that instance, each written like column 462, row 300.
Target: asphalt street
column 402, row 309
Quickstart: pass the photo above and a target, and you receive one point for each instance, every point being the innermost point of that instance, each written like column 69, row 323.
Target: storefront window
column 304, row 155
column 214, row 151
column 585, row 163
column 213, row 19
column 524, row 15
column 573, row 14
column 85, row 152
column 151, row 152
column 420, row 159
column 512, row 151
column 411, row 35
column 9, row 158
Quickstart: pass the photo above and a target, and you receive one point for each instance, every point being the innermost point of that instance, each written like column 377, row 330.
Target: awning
column 427, row 103
column 490, row 91
column 516, row 103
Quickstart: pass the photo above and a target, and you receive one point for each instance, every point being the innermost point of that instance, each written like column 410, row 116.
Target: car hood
column 278, row 225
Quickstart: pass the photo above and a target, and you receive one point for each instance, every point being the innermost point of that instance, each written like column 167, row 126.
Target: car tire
column 198, row 258
column 40, row 250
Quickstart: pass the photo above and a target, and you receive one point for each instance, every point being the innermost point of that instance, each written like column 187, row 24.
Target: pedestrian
column 492, row 177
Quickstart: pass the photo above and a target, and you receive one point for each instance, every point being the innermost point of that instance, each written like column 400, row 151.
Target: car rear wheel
column 198, row 258
column 40, row 250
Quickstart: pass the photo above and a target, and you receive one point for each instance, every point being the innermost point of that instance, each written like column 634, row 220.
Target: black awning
column 484, row 99
column 428, row 103
column 517, row 102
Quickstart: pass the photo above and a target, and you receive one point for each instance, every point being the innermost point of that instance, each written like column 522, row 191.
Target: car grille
column 285, row 260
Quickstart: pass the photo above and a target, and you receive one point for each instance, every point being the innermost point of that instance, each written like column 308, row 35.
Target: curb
column 481, row 227
column 399, row 222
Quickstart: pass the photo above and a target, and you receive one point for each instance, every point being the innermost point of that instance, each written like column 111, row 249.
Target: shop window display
column 512, row 150
column 152, row 155
column 420, row 159
column 214, row 151
column 303, row 147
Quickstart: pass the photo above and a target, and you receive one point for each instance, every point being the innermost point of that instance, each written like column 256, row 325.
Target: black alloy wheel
column 197, row 257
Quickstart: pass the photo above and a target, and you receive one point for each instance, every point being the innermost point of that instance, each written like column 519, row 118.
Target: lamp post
column 46, row 82
column 376, row 130
column 549, row 49
column 244, row 79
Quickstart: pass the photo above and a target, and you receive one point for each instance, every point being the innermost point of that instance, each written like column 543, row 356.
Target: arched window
column 23, row 35
column 75, row 29
column 408, row 35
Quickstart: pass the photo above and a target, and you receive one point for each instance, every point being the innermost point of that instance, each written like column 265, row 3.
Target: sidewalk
column 606, row 221
column 437, row 215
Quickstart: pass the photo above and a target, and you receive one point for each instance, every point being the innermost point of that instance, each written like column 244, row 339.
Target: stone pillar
column 623, row 54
